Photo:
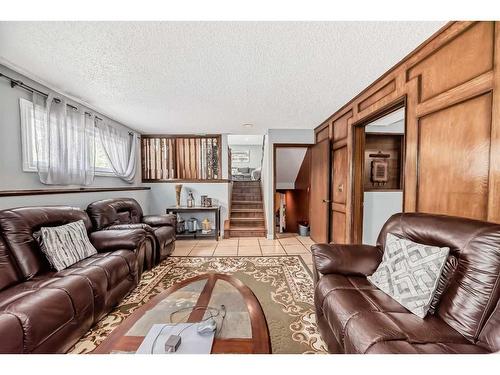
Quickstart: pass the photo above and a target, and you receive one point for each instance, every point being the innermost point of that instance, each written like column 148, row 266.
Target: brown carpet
column 283, row 285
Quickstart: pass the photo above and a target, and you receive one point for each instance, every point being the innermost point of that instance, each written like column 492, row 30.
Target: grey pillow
column 410, row 272
column 66, row 244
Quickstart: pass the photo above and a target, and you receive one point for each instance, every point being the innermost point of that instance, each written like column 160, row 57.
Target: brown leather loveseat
column 45, row 311
column 355, row 317
column 126, row 213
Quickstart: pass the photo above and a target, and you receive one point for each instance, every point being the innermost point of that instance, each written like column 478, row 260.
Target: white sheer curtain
column 65, row 142
column 120, row 147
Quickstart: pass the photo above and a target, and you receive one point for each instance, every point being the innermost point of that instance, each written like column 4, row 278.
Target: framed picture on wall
column 240, row 156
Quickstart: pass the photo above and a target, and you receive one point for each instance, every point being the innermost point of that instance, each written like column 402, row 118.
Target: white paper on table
column 191, row 341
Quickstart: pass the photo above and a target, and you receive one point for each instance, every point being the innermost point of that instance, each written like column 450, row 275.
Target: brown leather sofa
column 126, row 213
column 355, row 317
column 45, row 311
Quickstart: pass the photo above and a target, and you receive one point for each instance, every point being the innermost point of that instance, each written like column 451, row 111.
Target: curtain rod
column 21, row 84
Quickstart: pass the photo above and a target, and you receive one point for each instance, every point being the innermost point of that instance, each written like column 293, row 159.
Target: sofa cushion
column 404, row 347
column 67, row 244
column 340, row 298
column 117, row 265
column 108, row 212
column 409, row 272
column 444, row 281
column 11, row 332
column 18, row 224
column 371, row 328
column 165, row 235
column 474, row 290
column 490, row 334
column 360, row 317
column 8, row 269
column 49, row 307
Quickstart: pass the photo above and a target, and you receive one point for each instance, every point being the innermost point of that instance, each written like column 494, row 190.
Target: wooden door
column 320, row 191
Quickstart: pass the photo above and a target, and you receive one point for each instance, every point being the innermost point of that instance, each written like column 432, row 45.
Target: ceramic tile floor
column 247, row 246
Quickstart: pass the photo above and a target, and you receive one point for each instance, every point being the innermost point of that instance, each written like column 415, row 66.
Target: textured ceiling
column 210, row 77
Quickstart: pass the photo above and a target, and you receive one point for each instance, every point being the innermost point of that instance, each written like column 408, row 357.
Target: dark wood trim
column 260, row 343
column 17, row 193
column 358, row 165
column 276, row 146
column 201, row 181
column 199, row 309
column 175, row 155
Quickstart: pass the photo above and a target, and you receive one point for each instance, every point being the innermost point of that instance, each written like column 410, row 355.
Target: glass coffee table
column 243, row 329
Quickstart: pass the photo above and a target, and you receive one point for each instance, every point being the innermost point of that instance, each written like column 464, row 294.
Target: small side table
column 198, row 234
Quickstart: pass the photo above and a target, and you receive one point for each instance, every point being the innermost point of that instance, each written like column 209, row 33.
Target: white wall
column 298, row 136
column 288, row 163
column 12, row 176
column 163, row 195
column 378, row 207
column 255, row 155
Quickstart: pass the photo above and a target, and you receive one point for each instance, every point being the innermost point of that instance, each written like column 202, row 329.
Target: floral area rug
column 282, row 284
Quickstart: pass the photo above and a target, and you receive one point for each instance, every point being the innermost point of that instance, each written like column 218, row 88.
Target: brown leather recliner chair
column 355, row 317
column 126, row 213
column 45, row 311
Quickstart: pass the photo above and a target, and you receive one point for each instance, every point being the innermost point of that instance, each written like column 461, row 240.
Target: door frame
column 358, row 144
column 283, row 145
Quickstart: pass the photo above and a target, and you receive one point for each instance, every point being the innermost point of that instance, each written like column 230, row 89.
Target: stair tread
column 246, row 202
column 232, row 227
column 247, row 210
column 247, row 218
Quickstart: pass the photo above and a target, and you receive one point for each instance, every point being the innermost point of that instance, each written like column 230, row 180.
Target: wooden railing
column 181, row 157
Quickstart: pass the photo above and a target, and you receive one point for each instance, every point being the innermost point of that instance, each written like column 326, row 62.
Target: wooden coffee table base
column 259, row 342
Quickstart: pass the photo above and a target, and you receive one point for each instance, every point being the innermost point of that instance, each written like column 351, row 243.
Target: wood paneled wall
column 451, row 89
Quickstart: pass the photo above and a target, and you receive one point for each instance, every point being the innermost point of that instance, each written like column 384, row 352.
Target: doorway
column 380, row 173
column 245, row 157
column 292, row 184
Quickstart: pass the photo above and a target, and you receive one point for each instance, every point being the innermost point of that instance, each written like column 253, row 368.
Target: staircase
column 247, row 213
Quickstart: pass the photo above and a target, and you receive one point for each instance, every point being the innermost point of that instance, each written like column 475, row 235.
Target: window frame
column 29, row 163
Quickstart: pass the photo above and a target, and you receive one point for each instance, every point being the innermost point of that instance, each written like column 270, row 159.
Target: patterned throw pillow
column 409, row 273
column 67, row 244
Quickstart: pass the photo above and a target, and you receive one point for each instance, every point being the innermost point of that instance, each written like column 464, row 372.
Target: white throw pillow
column 67, row 244
column 409, row 273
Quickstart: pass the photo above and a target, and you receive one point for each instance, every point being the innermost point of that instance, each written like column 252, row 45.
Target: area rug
column 282, row 284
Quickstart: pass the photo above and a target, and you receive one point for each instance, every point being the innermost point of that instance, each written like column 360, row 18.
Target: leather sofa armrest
column 358, row 260
column 12, row 334
column 146, row 227
column 111, row 240
column 160, row 220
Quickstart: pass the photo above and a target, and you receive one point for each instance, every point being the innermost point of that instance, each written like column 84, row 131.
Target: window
column 102, row 164
column 30, row 159
column 181, row 157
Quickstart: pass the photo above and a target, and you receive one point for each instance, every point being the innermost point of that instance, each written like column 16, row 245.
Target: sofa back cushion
column 490, row 334
column 8, row 269
column 473, row 292
column 18, row 224
column 114, row 211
